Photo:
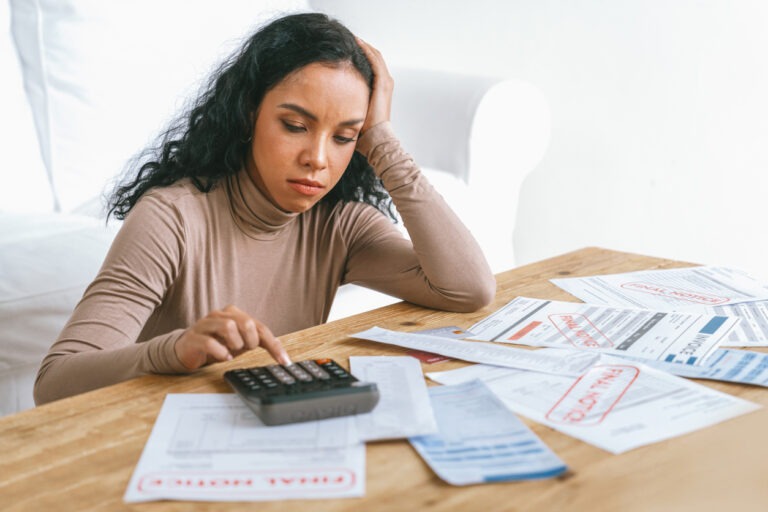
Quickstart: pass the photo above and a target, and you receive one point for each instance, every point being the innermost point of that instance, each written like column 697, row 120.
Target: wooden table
column 79, row 453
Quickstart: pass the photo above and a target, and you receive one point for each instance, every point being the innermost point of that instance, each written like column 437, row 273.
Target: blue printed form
column 742, row 366
column 479, row 440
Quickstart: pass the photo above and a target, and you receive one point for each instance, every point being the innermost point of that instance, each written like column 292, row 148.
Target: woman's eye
column 344, row 140
column 294, row 128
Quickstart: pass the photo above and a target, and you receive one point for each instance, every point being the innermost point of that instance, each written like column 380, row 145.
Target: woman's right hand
column 224, row 334
column 380, row 104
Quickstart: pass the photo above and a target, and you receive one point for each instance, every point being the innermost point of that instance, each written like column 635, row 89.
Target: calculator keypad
column 302, row 391
column 300, row 377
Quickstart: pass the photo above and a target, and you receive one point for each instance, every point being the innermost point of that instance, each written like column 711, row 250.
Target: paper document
column 713, row 290
column 211, row 447
column 572, row 363
column 675, row 337
column 667, row 289
column 480, row 440
column 234, row 428
column 741, row 366
column 404, row 409
column 616, row 405
column 444, row 332
column 752, row 330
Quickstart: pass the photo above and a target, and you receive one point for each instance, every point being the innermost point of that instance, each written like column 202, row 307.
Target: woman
column 263, row 199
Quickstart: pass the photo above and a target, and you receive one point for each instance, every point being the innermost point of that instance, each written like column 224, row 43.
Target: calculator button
column 281, row 375
column 299, row 372
column 315, row 370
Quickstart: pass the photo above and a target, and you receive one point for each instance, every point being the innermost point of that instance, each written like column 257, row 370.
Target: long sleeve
column 442, row 266
column 98, row 345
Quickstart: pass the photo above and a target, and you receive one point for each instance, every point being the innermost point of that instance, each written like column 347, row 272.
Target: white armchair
column 98, row 84
column 476, row 138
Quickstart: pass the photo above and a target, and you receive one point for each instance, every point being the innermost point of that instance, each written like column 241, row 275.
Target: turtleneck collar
column 252, row 211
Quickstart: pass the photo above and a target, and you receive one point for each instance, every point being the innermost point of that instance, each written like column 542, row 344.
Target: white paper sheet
column 677, row 337
column 481, row 441
column 231, row 427
column 712, row 290
column 752, row 330
column 616, row 405
column 667, row 289
column 211, row 447
column 404, row 409
column 566, row 363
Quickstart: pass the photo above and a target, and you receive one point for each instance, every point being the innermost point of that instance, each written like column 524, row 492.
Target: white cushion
column 104, row 77
column 489, row 131
column 46, row 262
column 26, row 187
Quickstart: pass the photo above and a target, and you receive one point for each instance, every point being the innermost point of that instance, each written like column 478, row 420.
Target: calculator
column 307, row 390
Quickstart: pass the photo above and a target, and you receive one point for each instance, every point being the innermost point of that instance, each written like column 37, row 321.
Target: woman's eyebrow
column 306, row 113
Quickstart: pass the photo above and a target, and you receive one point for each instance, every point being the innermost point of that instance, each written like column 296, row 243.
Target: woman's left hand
column 380, row 105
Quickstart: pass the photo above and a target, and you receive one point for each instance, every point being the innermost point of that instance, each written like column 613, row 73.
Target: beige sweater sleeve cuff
column 161, row 355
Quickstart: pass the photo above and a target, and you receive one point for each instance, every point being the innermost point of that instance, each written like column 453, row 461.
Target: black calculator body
column 308, row 390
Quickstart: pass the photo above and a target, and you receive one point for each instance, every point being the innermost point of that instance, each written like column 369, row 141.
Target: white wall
column 660, row 114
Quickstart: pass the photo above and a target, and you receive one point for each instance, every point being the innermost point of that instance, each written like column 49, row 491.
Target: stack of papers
column 607, row 372
column 713, row 290
column 211, row 447
column 674, row 337
column 615, row 406
column 642, row 331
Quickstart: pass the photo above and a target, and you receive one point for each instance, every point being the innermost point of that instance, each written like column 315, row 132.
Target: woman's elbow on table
column 483, row 294
column 472, row 297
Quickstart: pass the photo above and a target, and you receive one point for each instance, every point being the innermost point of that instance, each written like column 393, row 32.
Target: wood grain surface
column 79, row 453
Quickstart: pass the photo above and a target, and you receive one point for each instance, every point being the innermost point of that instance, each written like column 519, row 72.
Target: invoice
column 712, row 290
column 674, row 337
column 195, row 454
column 616, row 405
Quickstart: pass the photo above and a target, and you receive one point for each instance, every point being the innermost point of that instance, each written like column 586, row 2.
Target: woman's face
column 305, row 134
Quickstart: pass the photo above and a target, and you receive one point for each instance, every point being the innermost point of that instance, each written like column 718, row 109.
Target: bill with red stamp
column 673, row 337
column 614, row 405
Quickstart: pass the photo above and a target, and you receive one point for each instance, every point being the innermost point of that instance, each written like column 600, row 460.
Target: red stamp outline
column 243, row 481
column 675, row 293
column 569, row 418
column 579, row 341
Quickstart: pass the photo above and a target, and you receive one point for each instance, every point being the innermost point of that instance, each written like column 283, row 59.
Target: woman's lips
column 306, row 187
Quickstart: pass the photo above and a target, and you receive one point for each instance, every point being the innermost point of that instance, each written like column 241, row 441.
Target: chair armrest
column 488, row 131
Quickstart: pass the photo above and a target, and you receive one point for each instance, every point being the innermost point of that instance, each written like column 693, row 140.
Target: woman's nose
column 315, row 155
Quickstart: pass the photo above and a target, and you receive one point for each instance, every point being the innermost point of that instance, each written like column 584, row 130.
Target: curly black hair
column 211, row 139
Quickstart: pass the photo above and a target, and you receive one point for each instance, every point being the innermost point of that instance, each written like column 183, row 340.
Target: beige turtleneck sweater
column 181, row 253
